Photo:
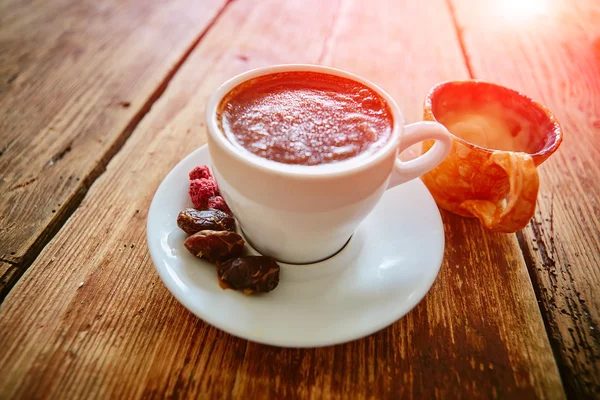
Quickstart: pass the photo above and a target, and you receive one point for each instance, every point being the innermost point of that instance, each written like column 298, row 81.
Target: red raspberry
column 218, row 203
column 201, row 190
column 200, row 172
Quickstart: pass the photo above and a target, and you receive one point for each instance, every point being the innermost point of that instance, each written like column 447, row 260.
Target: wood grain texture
column 75, row 79
column 91, row 316
column 552, row 53
column 6, row 271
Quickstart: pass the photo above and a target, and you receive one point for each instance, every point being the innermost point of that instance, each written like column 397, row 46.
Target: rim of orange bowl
column 545, row 151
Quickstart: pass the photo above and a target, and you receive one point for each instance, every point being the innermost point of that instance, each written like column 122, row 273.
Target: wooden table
column 100, row 99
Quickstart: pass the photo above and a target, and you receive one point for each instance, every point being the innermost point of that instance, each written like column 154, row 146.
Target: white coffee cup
column 302, row 214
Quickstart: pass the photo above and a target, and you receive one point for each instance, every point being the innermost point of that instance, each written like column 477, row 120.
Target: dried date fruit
column 192, row 221
column 250, row 274
column 215, row 246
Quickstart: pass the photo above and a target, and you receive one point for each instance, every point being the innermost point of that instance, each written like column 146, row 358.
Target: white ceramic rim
column 302, row 171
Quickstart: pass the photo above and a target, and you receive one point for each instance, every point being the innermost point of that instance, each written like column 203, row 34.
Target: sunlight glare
column 520, row 9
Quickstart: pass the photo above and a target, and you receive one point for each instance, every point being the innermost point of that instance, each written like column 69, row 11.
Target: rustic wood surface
column 75, row 78
column 552, row 52
column 90, row 318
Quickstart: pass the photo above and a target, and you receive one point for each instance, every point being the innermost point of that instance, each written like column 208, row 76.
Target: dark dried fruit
column 215, row 246
column 191, row 221
column 250, row 274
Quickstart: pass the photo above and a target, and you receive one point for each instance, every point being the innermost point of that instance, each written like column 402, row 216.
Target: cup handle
column 515, row 213
column 413, row 134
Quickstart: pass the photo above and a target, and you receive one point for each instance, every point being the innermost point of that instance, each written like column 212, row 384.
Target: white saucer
column 386, row 268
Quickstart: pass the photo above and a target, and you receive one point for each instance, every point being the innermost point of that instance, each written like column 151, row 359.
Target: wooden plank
column 478, row 333
column 6, row 271
column 76, row 77
column 551, row 51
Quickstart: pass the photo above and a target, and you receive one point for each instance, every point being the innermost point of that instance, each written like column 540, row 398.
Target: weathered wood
column 75, row 79
column 6, row 271
column 552, row 53
column 91, row 316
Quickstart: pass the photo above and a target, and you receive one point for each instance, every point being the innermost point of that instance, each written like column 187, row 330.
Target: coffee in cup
column 305, row 118
column 303, row 153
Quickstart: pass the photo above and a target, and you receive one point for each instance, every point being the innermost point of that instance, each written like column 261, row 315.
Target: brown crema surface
column 305, row 118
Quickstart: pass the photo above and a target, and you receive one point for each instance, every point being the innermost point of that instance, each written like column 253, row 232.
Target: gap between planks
column 460, row 39
column 11, row 276
column 527, row 258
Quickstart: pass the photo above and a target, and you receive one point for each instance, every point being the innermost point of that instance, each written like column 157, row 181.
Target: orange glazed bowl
column 499, row 138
